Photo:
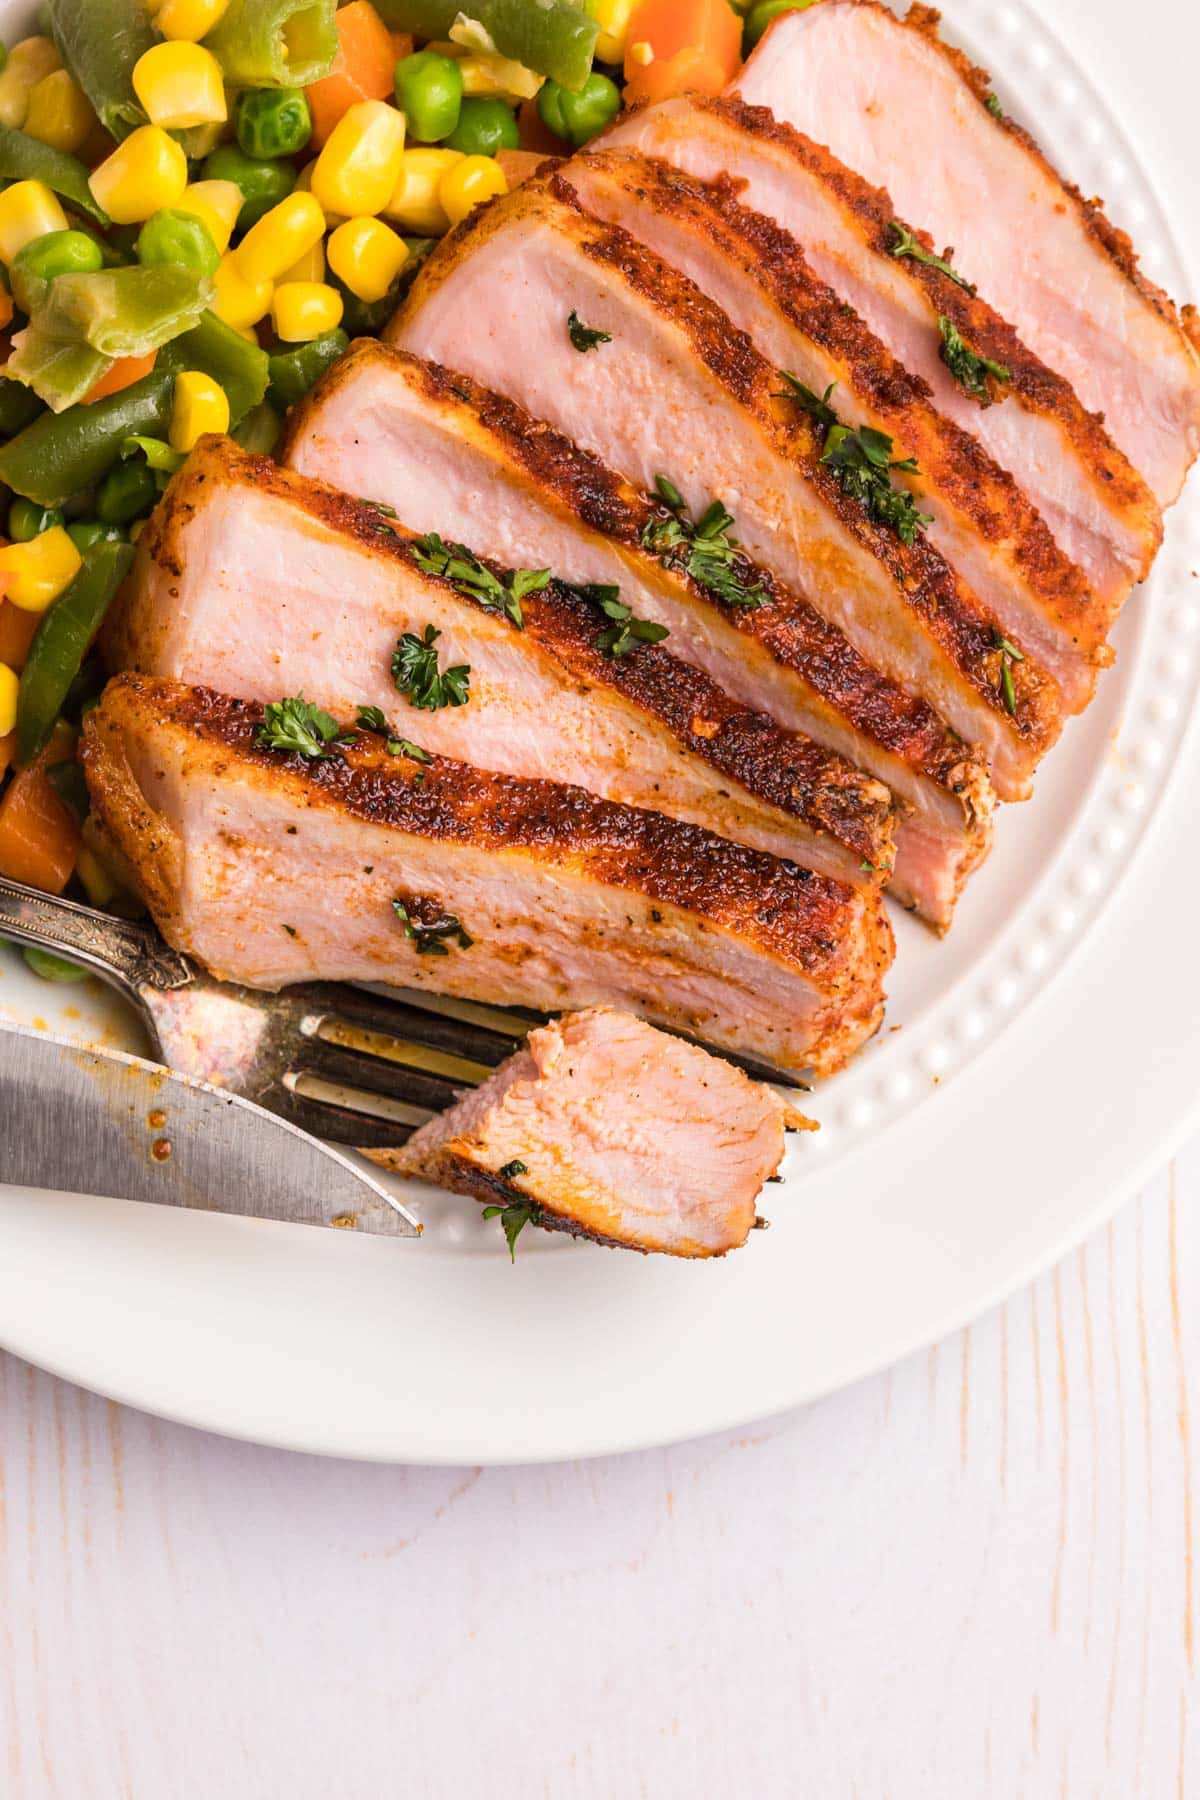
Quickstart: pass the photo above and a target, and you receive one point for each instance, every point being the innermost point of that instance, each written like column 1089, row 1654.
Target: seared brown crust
column 948, row 612
column 1031, row 383
column 950, row 458
column 789, row 771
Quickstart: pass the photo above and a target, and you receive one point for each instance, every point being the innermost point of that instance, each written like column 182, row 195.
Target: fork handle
column 126, row 952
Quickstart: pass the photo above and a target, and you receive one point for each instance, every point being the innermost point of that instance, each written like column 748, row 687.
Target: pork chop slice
column 981, row 521
column 249, row 576
column 1099, row 509
column 879, row 91
column 679, row 393
column 459, row 457
column 273, row 868
column 606, row 1128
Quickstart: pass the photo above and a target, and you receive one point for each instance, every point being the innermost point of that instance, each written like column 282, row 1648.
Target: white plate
column 1034, row 1068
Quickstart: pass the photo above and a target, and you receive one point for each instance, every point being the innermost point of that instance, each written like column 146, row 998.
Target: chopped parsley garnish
column 299, row 727
column 1009, row 654
column 416, row 674
column 907, row 245
column 862, row 461
column 705, row 550
column 431, row 937
column 371, row 718
column 514, row 1219
column 381, row 506
column 464, row 571
column 585, row 337
column 993, row 106
column 512, row 1168
column 968, row 368
column 625, row 632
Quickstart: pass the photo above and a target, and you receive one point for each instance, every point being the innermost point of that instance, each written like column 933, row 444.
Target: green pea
column 484, row 126
column 550, row 111
column 51, row 967
column 83, row 533
column 764, row 13
column 58, row 253
column 263, row 183
column 177, row 239
column 127, row 490
column 429, row 92
column 273, row 122
column 588, row 112
column 27, row 520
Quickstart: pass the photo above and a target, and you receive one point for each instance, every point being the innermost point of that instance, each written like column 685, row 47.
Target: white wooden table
column 973, row 1575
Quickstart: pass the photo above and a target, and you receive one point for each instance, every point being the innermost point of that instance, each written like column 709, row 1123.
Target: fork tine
column 340, row 1114
column 487, row 1035
column 373, row 1075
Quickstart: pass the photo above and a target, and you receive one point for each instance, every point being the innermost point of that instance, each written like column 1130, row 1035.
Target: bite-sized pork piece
column 604, row 1127
column 912, row 114
column 679, row 393
column 979, row 518
column 207, row 603
column 460, row 458
column 1100, row 511
column 273, row 868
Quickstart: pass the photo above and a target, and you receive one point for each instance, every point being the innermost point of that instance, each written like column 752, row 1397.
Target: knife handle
column 126, row 952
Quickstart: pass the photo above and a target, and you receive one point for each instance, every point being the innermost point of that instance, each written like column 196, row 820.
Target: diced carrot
column 124, row 372
column 17, row 627
column 519, row 165
column 8, row 750
column 402, row 44
column 39, row 834
column 535, row 134
column 696, row 44
column 364, row 68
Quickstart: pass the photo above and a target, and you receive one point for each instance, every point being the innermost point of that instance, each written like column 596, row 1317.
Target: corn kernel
column 187, row 21
column 9, row 685
column 144, row 174
column 217, row 205
column 239, row 302
column 466, row 186
column 280, row 238
column 199, row 406
column 28, row 63
column 303, row 310
column 357, row 171
column 309, row 267
column 180, row 85
column 28, row 210
column 60, row 113
column 414, row 204
column 613, row 17
column 366, row 256
column 36, row 573
column 97, row 883
column 497, row 77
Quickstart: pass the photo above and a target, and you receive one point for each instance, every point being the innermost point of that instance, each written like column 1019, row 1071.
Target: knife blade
column 100, row 1122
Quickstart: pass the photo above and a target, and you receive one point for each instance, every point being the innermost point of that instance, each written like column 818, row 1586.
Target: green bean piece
column 61, row 370
column 27, row 520
column 553, row 37
column 259, row 430
column 213, row 348
column 83, row 533
column 274, row 43
column 100, row 41
column 765, row 13
column 170, row 237
column 19, row 407
column 127, row 491
column 293, row 372
column 25, row 158
column 124, row 312
column 264, row 184
column 273, row 122
column 67, row 453
column 45, row 258
column 484, row 126
column 62, row 640
column 52, row 968
column 429, row 92
column 579, row 117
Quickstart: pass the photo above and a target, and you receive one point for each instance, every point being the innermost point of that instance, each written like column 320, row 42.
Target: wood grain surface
column 971, row 1576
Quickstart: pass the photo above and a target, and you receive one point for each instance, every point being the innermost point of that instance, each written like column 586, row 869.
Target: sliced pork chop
column 1099, row 509
column 980, row 520
column 880, row 92
column 679, row 392
column 460, row 458
column 250, row 577
column 604, row 1127
column 272, row 868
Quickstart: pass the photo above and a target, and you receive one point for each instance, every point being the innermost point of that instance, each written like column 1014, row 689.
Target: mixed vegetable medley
column 201, row 202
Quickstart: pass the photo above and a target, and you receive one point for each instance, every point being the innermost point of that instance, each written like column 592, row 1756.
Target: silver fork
column 345, row 1063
